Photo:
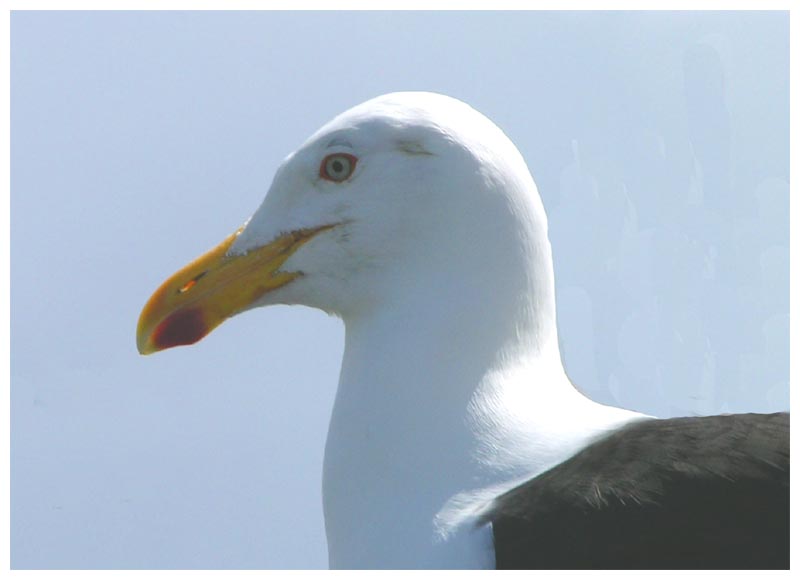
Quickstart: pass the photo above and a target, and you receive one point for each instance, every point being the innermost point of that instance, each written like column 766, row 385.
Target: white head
column 405, row 195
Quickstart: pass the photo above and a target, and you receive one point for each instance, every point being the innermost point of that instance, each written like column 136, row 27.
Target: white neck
column 437, row 411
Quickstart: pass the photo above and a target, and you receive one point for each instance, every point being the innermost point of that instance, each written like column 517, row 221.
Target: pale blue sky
column 659, row 142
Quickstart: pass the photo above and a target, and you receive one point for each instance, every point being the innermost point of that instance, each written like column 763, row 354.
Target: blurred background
column 659, row 142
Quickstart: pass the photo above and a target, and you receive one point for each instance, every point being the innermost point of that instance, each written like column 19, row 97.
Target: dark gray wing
column 686, row 493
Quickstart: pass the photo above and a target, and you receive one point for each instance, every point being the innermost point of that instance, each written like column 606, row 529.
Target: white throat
column 445, row 400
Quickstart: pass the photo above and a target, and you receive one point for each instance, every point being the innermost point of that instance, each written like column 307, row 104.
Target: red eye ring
column 338, row 167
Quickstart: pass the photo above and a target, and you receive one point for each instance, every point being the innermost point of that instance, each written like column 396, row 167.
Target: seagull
column 457, row 440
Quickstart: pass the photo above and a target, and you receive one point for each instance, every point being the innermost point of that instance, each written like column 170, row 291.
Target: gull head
column 405, row 195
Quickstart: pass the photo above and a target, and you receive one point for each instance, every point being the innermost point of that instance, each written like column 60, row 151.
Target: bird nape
column 456, row 438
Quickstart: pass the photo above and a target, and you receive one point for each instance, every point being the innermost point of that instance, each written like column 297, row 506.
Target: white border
column 398, row 5
column 340, row 5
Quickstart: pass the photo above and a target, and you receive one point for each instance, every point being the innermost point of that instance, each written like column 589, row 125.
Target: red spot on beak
column 181, row 328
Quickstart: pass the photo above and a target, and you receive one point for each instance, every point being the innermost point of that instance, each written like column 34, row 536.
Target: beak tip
column 181, row 328
column 144, row 343
column 144, row 349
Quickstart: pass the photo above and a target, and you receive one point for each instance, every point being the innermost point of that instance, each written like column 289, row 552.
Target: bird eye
column 337, row 167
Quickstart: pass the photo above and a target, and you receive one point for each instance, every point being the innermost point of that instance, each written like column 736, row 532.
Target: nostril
column 188, row 286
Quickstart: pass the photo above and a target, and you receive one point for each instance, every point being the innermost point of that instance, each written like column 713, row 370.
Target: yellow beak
column 200, row 296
